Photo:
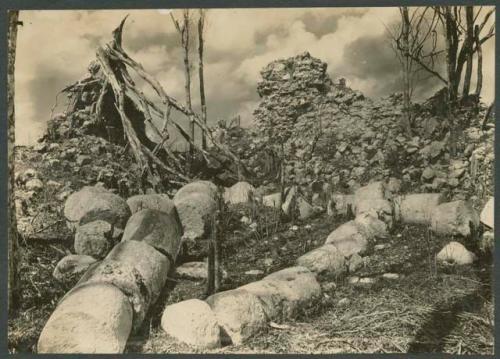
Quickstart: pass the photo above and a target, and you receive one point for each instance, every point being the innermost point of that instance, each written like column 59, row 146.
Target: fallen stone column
column 113, row 296
column 242, row 312
column 416, row 208
column 95, row 318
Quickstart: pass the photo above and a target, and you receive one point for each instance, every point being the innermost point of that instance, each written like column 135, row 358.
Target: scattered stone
column 196, row 211
column 355, row 263
column 195, row 270
column 371, row 226
column 328, row 286
column 192, row 322
column 455, row 253
column 93, row 239
column 391, row 276
column 326, row 258
column 487, row 214
column 241, row 192
column 72, row 266
column 34, row 185
column 454, row 218
column 367, row 281
column 254, row 272
column 353, row 279
column 343, row 302
column 379, row 247
column 487, row 241
column 272, row 200
column 239, row 313
column 340, row 204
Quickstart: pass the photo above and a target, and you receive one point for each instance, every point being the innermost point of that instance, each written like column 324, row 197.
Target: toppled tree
column 120, row 109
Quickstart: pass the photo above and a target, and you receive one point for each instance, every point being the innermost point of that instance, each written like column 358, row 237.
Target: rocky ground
column 397, row 297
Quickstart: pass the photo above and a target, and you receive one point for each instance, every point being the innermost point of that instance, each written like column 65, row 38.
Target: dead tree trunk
column 406, row 67
column 201, row 24
column 14, row 293
column 469, row 41
column 184, row 34
column 479, row 83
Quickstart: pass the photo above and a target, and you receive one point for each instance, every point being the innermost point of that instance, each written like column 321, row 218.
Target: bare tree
column 414, row 42
column 14, row 293
column 201, row 25
column 183, row 30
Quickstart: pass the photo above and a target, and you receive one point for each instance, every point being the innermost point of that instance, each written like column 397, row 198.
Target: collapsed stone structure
column 333, row 135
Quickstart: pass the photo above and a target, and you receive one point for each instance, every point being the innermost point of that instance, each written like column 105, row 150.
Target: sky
column 55, row 47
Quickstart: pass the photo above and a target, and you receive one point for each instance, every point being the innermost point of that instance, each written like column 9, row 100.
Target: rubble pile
column 333, row 134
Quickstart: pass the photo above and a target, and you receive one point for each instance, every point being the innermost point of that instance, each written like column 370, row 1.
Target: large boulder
column 72, row 266
column 96, row 203
column 454, row 218
column 94, row 239
column 239, row 313
column 205, row 187
column 156, row 228
column 241, row 192
column 374, row 190
column 159, row 202
column 455, row 253
column 196, row 211
column 325, row 259
column 416, row 208
column 488, row 213
column 94, row 319
column 192, row 322
column 349, row 239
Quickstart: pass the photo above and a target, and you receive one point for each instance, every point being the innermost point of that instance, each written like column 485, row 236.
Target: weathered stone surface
column 285, row 292
column 94, row 239
column 487, row 214
column 34, row 185
column 239, row 313
column 195, row 212
column 454, row 218
column 192, row 322
column 195, row 270
column 156, row 228
column 340, row 204
column 380, row 208
column 93, row 319
column 355, row 262
column 95, row 203
column 349, row 239
column 416, row 208
column 455, row 253
column 374, row 190
column 205, row 187
column 272, row 200
column 326, row 258
column 241, row 192
column 72, row 266
column 152, row 265
column 160, row 202
column 371, row 226
column 125, row 277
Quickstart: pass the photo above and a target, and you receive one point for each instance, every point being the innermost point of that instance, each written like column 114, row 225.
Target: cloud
column 55, row 47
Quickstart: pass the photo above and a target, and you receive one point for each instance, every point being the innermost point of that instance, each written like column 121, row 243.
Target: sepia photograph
column 313, row 180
